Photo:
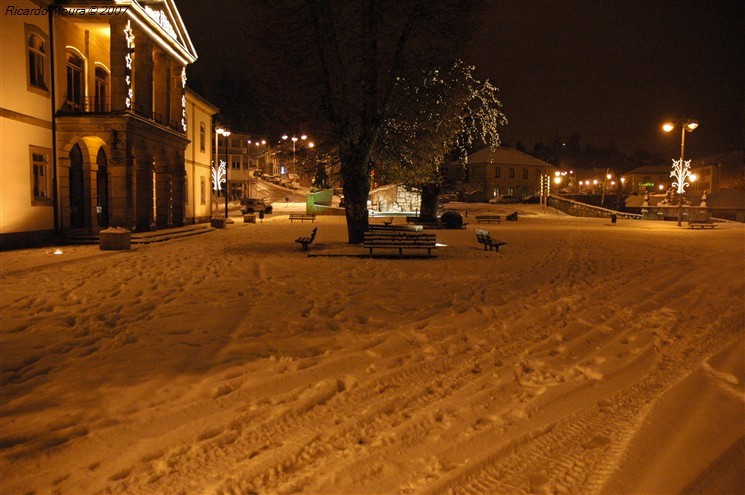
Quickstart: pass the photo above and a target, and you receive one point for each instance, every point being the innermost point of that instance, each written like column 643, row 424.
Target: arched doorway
column 77, row 189
column 102, row 185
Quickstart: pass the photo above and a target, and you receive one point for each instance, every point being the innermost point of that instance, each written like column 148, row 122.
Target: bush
column 452, row 220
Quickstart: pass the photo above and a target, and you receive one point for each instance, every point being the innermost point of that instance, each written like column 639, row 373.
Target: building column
column 118, row 53
column 143, row 80
column 163, row 194
column 120, row 187
column 144, row 192
column 179, row 195
column 161, row 86
column 177, row 93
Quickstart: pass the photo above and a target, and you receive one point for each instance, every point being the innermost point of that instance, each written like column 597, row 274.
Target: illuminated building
column 94, row 119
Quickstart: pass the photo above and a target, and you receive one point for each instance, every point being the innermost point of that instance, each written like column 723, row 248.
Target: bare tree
column 336, row 65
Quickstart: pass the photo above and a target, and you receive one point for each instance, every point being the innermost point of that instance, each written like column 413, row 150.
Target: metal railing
column 93, row 105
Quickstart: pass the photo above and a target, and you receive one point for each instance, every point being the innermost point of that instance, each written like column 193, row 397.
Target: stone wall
column 577, row 209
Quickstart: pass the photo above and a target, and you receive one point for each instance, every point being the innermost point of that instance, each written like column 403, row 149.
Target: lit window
column 40, row 176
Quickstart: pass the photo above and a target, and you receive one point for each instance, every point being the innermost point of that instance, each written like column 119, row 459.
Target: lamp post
column 681, row 169
column 294, row 140
column 226, row 133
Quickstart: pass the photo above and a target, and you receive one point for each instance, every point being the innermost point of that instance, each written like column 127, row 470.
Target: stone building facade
column 94, row 118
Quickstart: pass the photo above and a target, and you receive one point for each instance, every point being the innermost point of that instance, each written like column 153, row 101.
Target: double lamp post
column 681, row 169
column 223, row 132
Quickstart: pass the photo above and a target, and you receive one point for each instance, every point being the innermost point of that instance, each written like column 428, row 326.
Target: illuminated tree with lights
column 438, row 117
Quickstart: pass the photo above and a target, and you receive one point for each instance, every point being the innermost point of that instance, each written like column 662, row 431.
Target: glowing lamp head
column 667, row 126
column 595, row 182
column 303, row 137
column 608, row 176
column 691, row 125
column 661, row 187
column 294, row 139
column 284, row 136
column 557, row 180
column 311, row 144
column 693, row 177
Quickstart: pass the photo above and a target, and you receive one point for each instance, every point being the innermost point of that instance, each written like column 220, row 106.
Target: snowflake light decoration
column 218, row 176
column 680, row 172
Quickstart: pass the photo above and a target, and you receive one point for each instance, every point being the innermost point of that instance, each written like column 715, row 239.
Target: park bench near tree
column 302, row 217
column 399, row 239
column 376, row 227
column 488, row 218
column 306, row 241
column 484, row 237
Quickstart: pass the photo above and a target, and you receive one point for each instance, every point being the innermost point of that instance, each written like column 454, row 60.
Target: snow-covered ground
column 581, row 358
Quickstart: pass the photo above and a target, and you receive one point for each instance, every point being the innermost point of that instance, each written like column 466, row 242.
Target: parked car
column 255, row 205
column 504, row 200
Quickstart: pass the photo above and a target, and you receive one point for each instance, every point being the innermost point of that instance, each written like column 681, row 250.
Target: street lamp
column 226, row 133
column 681, row 169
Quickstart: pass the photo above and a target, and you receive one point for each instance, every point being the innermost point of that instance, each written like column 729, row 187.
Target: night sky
column 612, row 71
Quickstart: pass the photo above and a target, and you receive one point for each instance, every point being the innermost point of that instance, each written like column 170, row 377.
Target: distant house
column 648, row 178
column 491, row 173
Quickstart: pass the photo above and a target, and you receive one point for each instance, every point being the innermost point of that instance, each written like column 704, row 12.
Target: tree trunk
column 356, row 191
column 430, row 192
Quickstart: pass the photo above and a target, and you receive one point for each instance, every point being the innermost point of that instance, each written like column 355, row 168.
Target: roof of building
column 505, row 156
column 650, row 169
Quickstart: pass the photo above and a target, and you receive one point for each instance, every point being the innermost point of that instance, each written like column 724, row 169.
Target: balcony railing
column 89, row 104
column 93, row 105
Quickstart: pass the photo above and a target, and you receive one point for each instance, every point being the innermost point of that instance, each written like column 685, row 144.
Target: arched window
column 75, row 81
column 101, row 90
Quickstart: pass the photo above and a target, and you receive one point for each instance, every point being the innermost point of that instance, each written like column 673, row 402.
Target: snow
column 581, row 358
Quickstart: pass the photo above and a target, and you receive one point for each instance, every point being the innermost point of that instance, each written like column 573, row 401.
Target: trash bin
column 613, row 218
column 261, row 215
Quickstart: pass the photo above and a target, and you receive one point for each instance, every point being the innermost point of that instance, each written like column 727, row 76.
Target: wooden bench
column 375, row 227
column 484, row 237
column 302, row 217
column 306, row 241
column 692, row 224
column 399, row 239
column 488, row 218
